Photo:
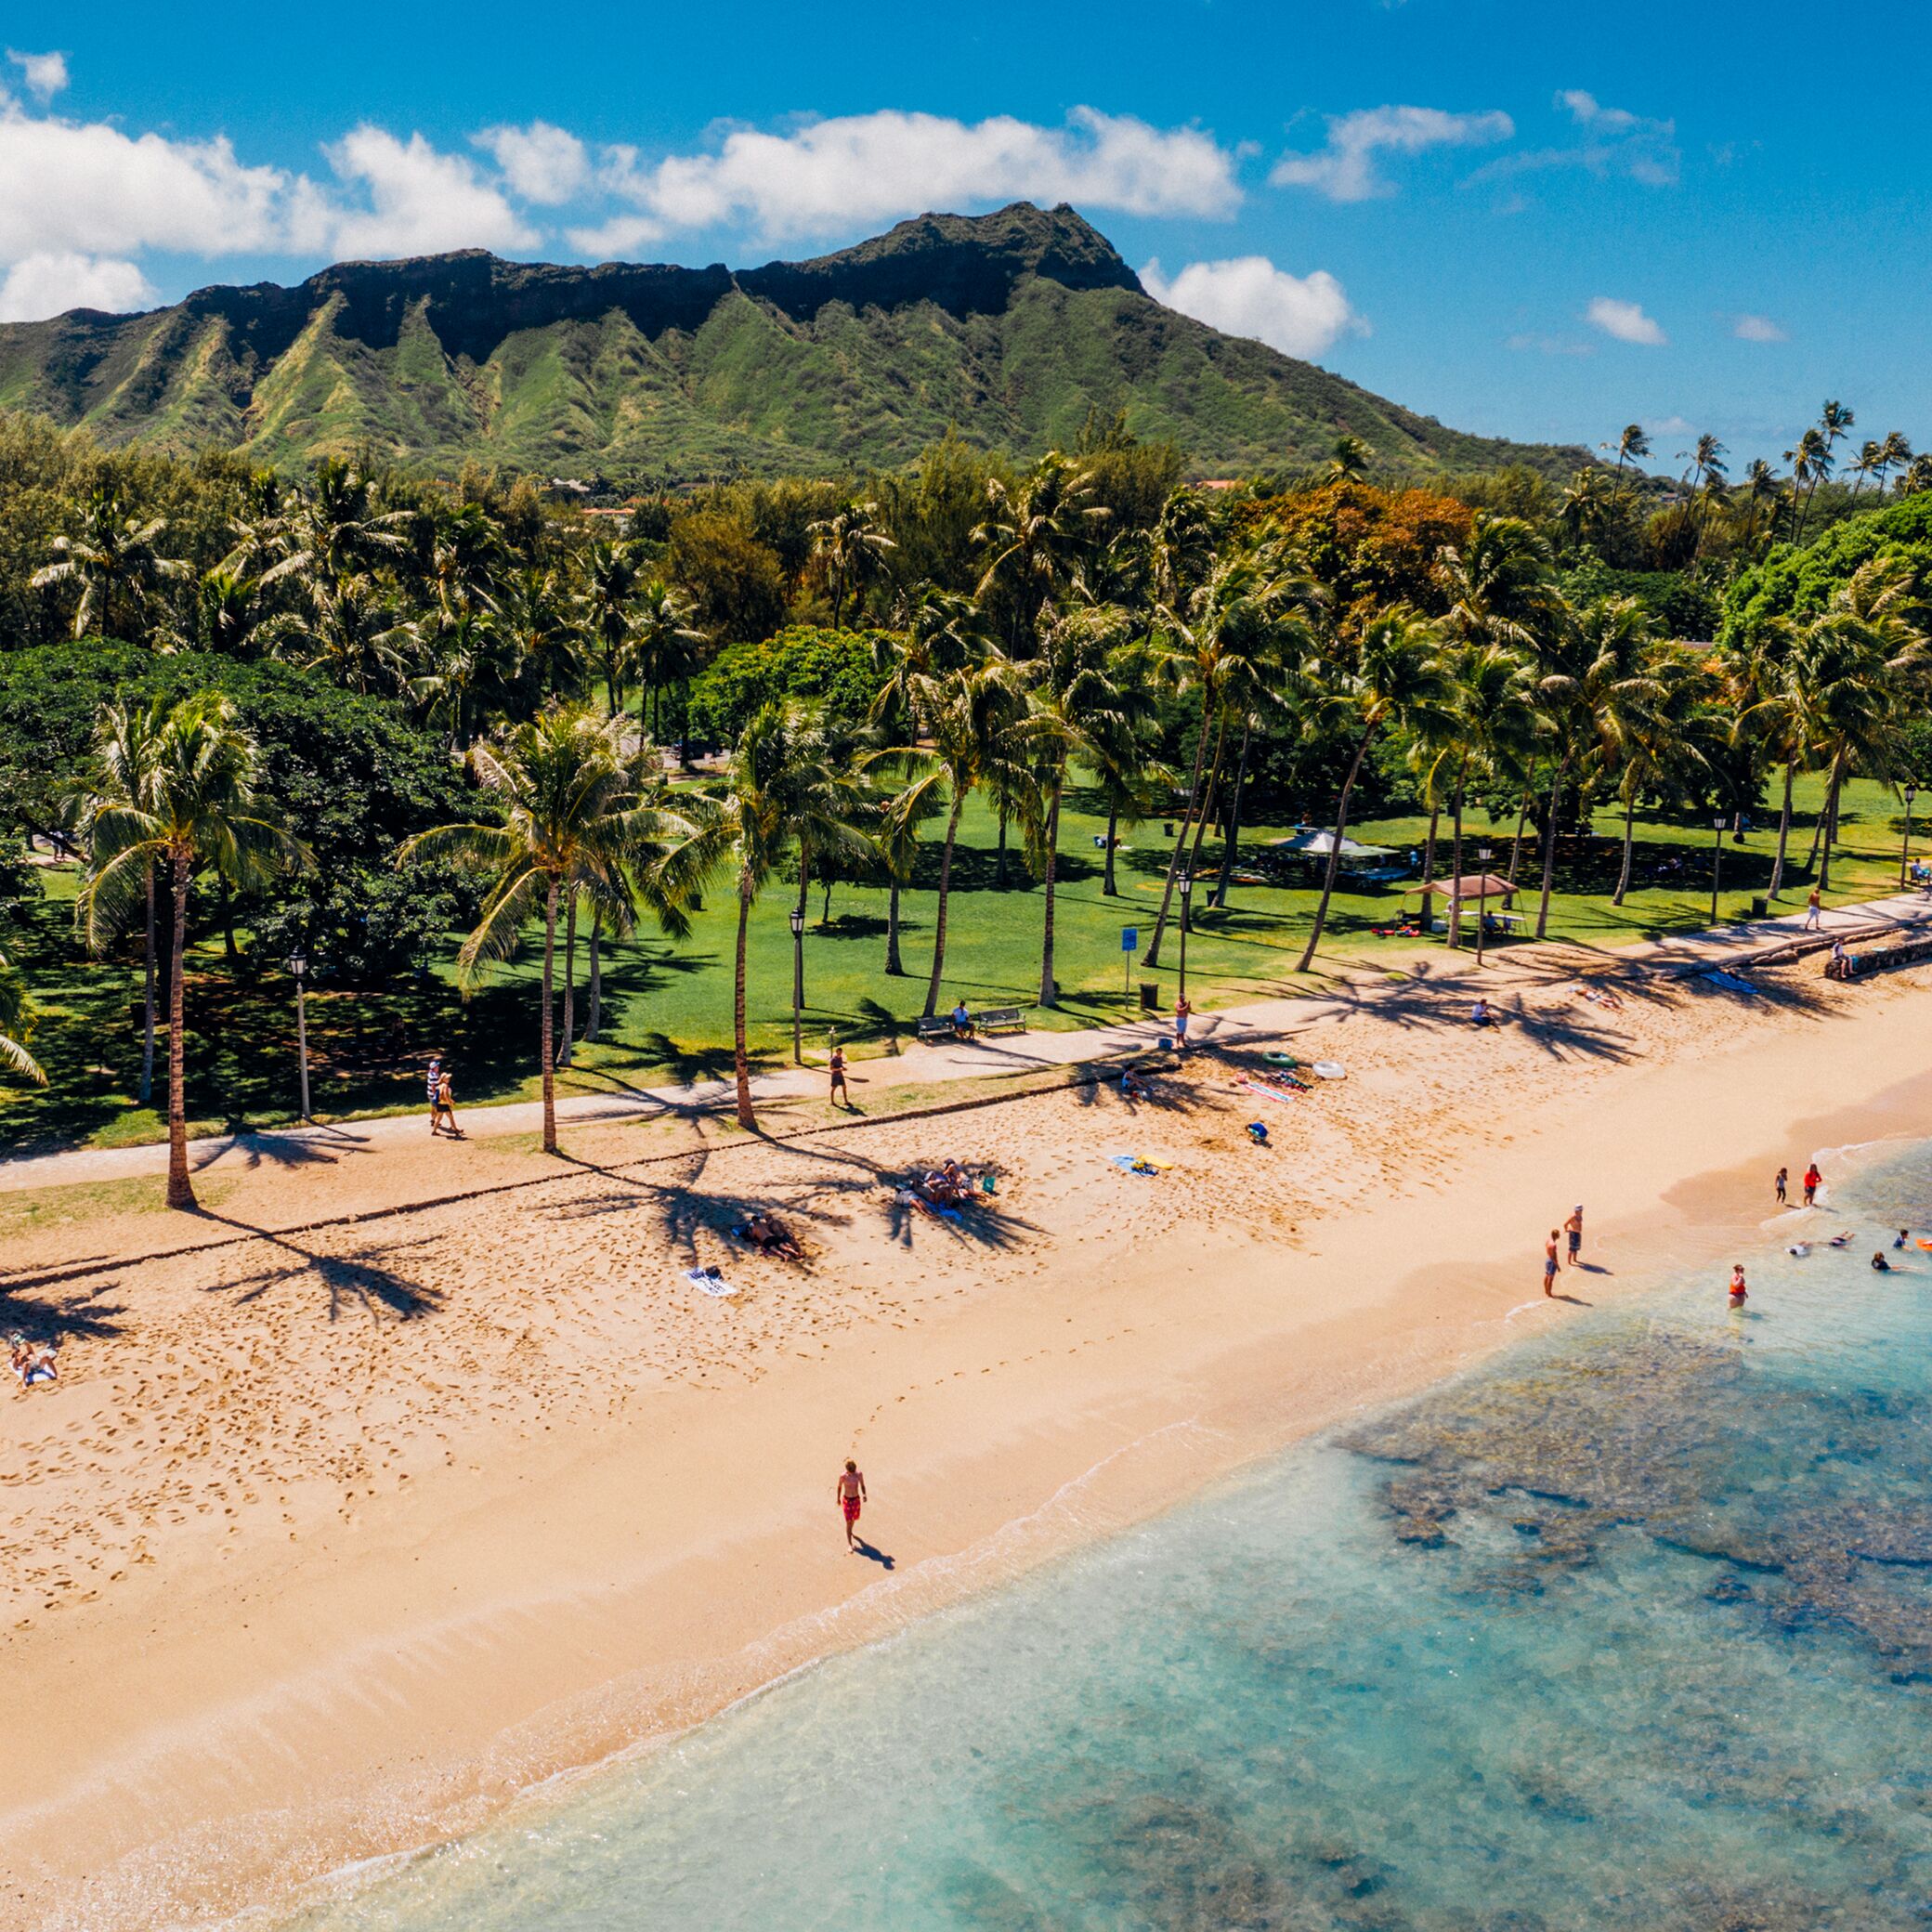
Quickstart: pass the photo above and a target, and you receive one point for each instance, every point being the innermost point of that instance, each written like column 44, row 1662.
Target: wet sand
column 326, row 1545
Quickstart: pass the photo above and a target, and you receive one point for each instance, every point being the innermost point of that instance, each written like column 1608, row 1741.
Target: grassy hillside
column 1010, row 327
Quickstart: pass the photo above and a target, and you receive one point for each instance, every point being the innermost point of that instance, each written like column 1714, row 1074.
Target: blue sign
column 1130, row 938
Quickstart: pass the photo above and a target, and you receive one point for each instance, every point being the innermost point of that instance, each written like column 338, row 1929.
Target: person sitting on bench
column 962, row 1022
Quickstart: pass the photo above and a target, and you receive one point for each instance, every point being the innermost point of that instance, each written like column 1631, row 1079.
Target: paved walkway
column 943, row 1061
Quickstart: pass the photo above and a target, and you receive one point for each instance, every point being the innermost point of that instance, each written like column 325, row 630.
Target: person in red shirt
column 1813, row 1181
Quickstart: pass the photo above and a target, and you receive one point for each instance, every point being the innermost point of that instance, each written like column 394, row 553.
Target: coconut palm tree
column 540, row 629
column 1632, row 446
column 353, row 629
column 663, row 643
column 1869, row 461
column 119, row 773
column 772, row 794
column 113, row 559
column 1347, row 460
column 570, row 815
column 609, row 575
column 16, row 1029
column 189, row 806
column 335, row 529
column 1491, row 732
column 1584, row 507
column 1033, row 536
column 1811, row 464
column 851, row 546
column 1894, row 453
column 1394, row 677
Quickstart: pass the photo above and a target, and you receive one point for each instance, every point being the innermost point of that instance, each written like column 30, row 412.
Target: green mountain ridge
column 1009, row 327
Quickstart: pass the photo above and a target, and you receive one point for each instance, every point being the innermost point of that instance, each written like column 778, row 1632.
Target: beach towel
column 1267, row 1092
column 1729, row 981
column 709, row 1280
column 1134, row 1164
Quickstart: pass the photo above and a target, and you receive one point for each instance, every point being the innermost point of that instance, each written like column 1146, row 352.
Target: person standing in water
column 851, row 1492
column 1573, row 1228
column 1813, row 1181
column 1737, row 1285
column 1550, row 1264
column 1778, row 1186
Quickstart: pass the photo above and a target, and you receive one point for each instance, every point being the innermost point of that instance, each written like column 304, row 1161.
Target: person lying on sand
column 768, row 1237
column 31, row 1361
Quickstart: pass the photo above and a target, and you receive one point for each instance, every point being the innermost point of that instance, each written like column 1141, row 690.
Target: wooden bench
column 940, row 1026
column 1000, row 1019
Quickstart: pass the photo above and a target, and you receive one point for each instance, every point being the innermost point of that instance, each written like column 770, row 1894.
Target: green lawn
column 668, row 1009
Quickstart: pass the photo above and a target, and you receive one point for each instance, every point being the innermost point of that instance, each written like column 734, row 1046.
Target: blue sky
column 1524, row 217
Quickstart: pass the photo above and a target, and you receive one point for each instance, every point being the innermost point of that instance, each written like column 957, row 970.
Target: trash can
column 1760, row 907
column 1150, row 995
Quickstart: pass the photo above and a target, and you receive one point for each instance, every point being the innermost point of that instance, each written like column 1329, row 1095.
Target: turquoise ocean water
column 1629, row 1629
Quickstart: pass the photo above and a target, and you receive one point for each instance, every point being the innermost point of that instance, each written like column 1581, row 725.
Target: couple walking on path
column 442, row 1100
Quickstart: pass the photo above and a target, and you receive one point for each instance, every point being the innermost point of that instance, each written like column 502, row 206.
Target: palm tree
column 570, row 815
column 1347, row 460
column 192, row 805
column 1394, row 677
column 610, row 574
column 1227, row 643
column 112, row 558
column 1894, row 453
column 538, row 628
column 120, row 774
column 1584, row 507
column 851, row 546
column 1631, row 445
column 16, row 1029
column 1811, row 464
column 1031, row 539
column 335, row 531
column 353, row 629
column 1869, row 461
column 664, row 645
column 772, row 794
column 1491, row 730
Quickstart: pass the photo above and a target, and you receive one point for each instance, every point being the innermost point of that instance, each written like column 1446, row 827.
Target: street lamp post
column 798, row 982
column 298, row 965
column 1716, row 863
column 1911, row 792
column 1484, row 855
column 1185, row 885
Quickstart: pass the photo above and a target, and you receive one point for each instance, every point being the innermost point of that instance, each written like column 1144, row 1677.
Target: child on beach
column 1737, row 1285
column 1550, row 1264
column 1779, row 1185
column 851, row 1492
column 1813, row 1181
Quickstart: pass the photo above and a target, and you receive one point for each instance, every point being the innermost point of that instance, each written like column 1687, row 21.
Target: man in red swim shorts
column 851, row 1493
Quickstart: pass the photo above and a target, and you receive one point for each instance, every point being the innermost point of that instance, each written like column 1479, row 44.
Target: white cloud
column 619, row 239
column 1613, row 141
column 422, row 202
column 543, row 163
column 862, row 168
column 45, row 74
column 1345, row 170
column 41, row 285
column 1757, row 327
column 1299, row 315
column 1625, row 320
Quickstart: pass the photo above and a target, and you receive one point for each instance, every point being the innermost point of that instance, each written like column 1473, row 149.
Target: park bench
column 1000, row 1019
column 939, row 1026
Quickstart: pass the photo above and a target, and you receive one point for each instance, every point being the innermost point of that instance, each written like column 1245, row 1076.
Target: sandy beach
column 338, row 1533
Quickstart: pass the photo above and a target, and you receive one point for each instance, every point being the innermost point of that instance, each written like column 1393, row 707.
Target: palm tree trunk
column 946, row 879
column 147, row 1089
column 1000, row 863
column 1341, row 828
column 181, row 1189
column 1204, row 813
column 1784, row 833
column 1831, row 823
column 1617, row 898
column 798, row 952
column 1428, row 845
column 1549, row 846
column 1048, row 994
column 1226, row 875
column 894, row 967
column 1454, row 862
column 1151, row 956
column 1108, row 889
column 549, row 1045
column 593, row 1018
column 1523, row 814
column 563, row 1059
column 741, row 1061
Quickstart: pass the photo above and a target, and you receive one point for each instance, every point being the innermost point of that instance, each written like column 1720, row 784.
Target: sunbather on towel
column 765, row 1234
column 31, row 1361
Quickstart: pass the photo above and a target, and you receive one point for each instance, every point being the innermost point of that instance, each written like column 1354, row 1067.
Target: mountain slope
column 1010, row 326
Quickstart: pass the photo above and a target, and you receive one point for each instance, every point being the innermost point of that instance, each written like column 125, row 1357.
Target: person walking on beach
column 851, row 1492
column 1778, row 1186
column 1550, row 1264
column 433, row 1080
column 1814, row 911
column 1737, row 1285
column 1182, row 1012
column 1573, row 1228
column 1813, row 1181
column 837, row 1069
column 446, row 1106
